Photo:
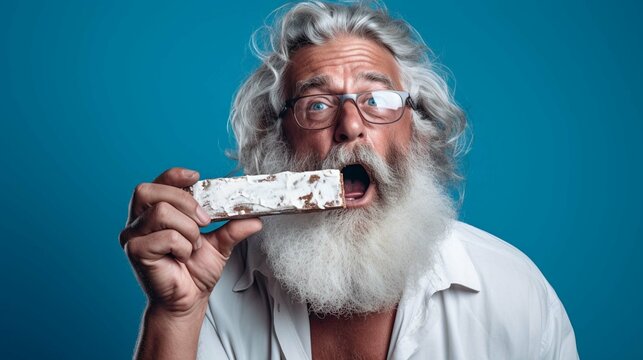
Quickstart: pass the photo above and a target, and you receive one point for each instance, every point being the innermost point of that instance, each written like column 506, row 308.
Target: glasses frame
column 290, row 104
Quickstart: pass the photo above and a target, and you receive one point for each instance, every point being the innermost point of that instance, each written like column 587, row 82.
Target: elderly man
column 393, row 275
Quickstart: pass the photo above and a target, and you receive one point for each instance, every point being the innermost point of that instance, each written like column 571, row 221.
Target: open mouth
column 356, row 181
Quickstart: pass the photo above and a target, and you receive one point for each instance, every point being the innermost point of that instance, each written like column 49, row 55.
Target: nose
column 350, row 125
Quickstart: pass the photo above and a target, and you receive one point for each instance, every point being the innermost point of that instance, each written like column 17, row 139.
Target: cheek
column 290, row 133
column 304, row 142
column 407, row 131
column 398, row 135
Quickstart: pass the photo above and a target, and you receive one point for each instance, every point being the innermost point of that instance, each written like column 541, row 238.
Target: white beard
column 355, row 261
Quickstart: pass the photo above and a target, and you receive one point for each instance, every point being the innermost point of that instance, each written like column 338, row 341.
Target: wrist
column 184, row 315
column 167, row 334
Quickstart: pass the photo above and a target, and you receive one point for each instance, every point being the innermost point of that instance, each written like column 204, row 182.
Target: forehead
column 344, row 64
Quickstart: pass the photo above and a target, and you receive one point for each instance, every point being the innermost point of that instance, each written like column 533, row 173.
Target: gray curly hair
column 254, row 119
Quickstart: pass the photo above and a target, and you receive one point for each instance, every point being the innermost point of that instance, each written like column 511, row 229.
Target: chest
column 358, row 337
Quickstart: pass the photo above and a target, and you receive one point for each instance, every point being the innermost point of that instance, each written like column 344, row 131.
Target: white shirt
column 485, row 300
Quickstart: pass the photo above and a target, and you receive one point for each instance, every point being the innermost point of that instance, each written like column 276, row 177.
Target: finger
column 226, row 237
column 205, row 267
column 159, row 244
column 148, row 194
column 178, row 177
column 163, row 216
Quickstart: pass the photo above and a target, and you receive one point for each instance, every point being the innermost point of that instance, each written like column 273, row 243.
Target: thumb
column 226, row 237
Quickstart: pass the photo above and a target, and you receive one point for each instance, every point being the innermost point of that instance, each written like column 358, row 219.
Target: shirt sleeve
column 558, row 341
column 210, row 346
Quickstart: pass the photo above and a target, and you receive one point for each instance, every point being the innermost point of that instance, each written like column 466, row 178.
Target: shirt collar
column 255, row 262
column 453, row 265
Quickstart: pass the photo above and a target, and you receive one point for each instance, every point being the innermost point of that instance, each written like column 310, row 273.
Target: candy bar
column 258, row 195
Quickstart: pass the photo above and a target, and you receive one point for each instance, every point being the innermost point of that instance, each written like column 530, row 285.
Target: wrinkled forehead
column 345, row 64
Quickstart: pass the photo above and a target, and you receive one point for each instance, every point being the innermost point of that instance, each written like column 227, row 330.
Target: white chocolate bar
column 258, row 195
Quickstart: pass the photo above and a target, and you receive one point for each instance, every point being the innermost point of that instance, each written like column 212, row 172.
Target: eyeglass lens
column 319, row 111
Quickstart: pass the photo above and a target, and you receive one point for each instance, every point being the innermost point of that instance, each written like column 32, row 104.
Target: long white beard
column 360, row 260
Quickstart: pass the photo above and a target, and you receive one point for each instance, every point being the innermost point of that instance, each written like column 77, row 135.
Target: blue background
column 97, row 96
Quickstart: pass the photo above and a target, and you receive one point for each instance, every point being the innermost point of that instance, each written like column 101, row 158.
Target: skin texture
column 358, row 337
column 178, row 266
column 343, row 62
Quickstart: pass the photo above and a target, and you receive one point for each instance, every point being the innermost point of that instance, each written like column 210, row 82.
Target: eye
column 371, row 101
column 317, row 106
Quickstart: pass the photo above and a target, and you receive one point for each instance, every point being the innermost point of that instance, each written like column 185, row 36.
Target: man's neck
column 356, row 337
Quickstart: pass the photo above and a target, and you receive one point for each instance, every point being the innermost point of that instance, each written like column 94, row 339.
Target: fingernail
column 188, row 173
column 202, row 215
column 198, row 244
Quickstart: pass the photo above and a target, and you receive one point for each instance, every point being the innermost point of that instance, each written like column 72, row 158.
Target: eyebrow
column 376, row 77
column 312, row 83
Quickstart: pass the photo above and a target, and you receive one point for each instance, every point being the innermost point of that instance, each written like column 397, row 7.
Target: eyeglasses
column 320, row 111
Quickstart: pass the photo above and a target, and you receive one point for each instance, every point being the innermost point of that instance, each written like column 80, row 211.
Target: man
column 392, row 276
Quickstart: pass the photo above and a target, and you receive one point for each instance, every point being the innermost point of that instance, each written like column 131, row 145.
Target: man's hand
column 175, row 263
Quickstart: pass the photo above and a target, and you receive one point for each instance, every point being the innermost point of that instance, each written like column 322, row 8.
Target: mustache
column 380, row 170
